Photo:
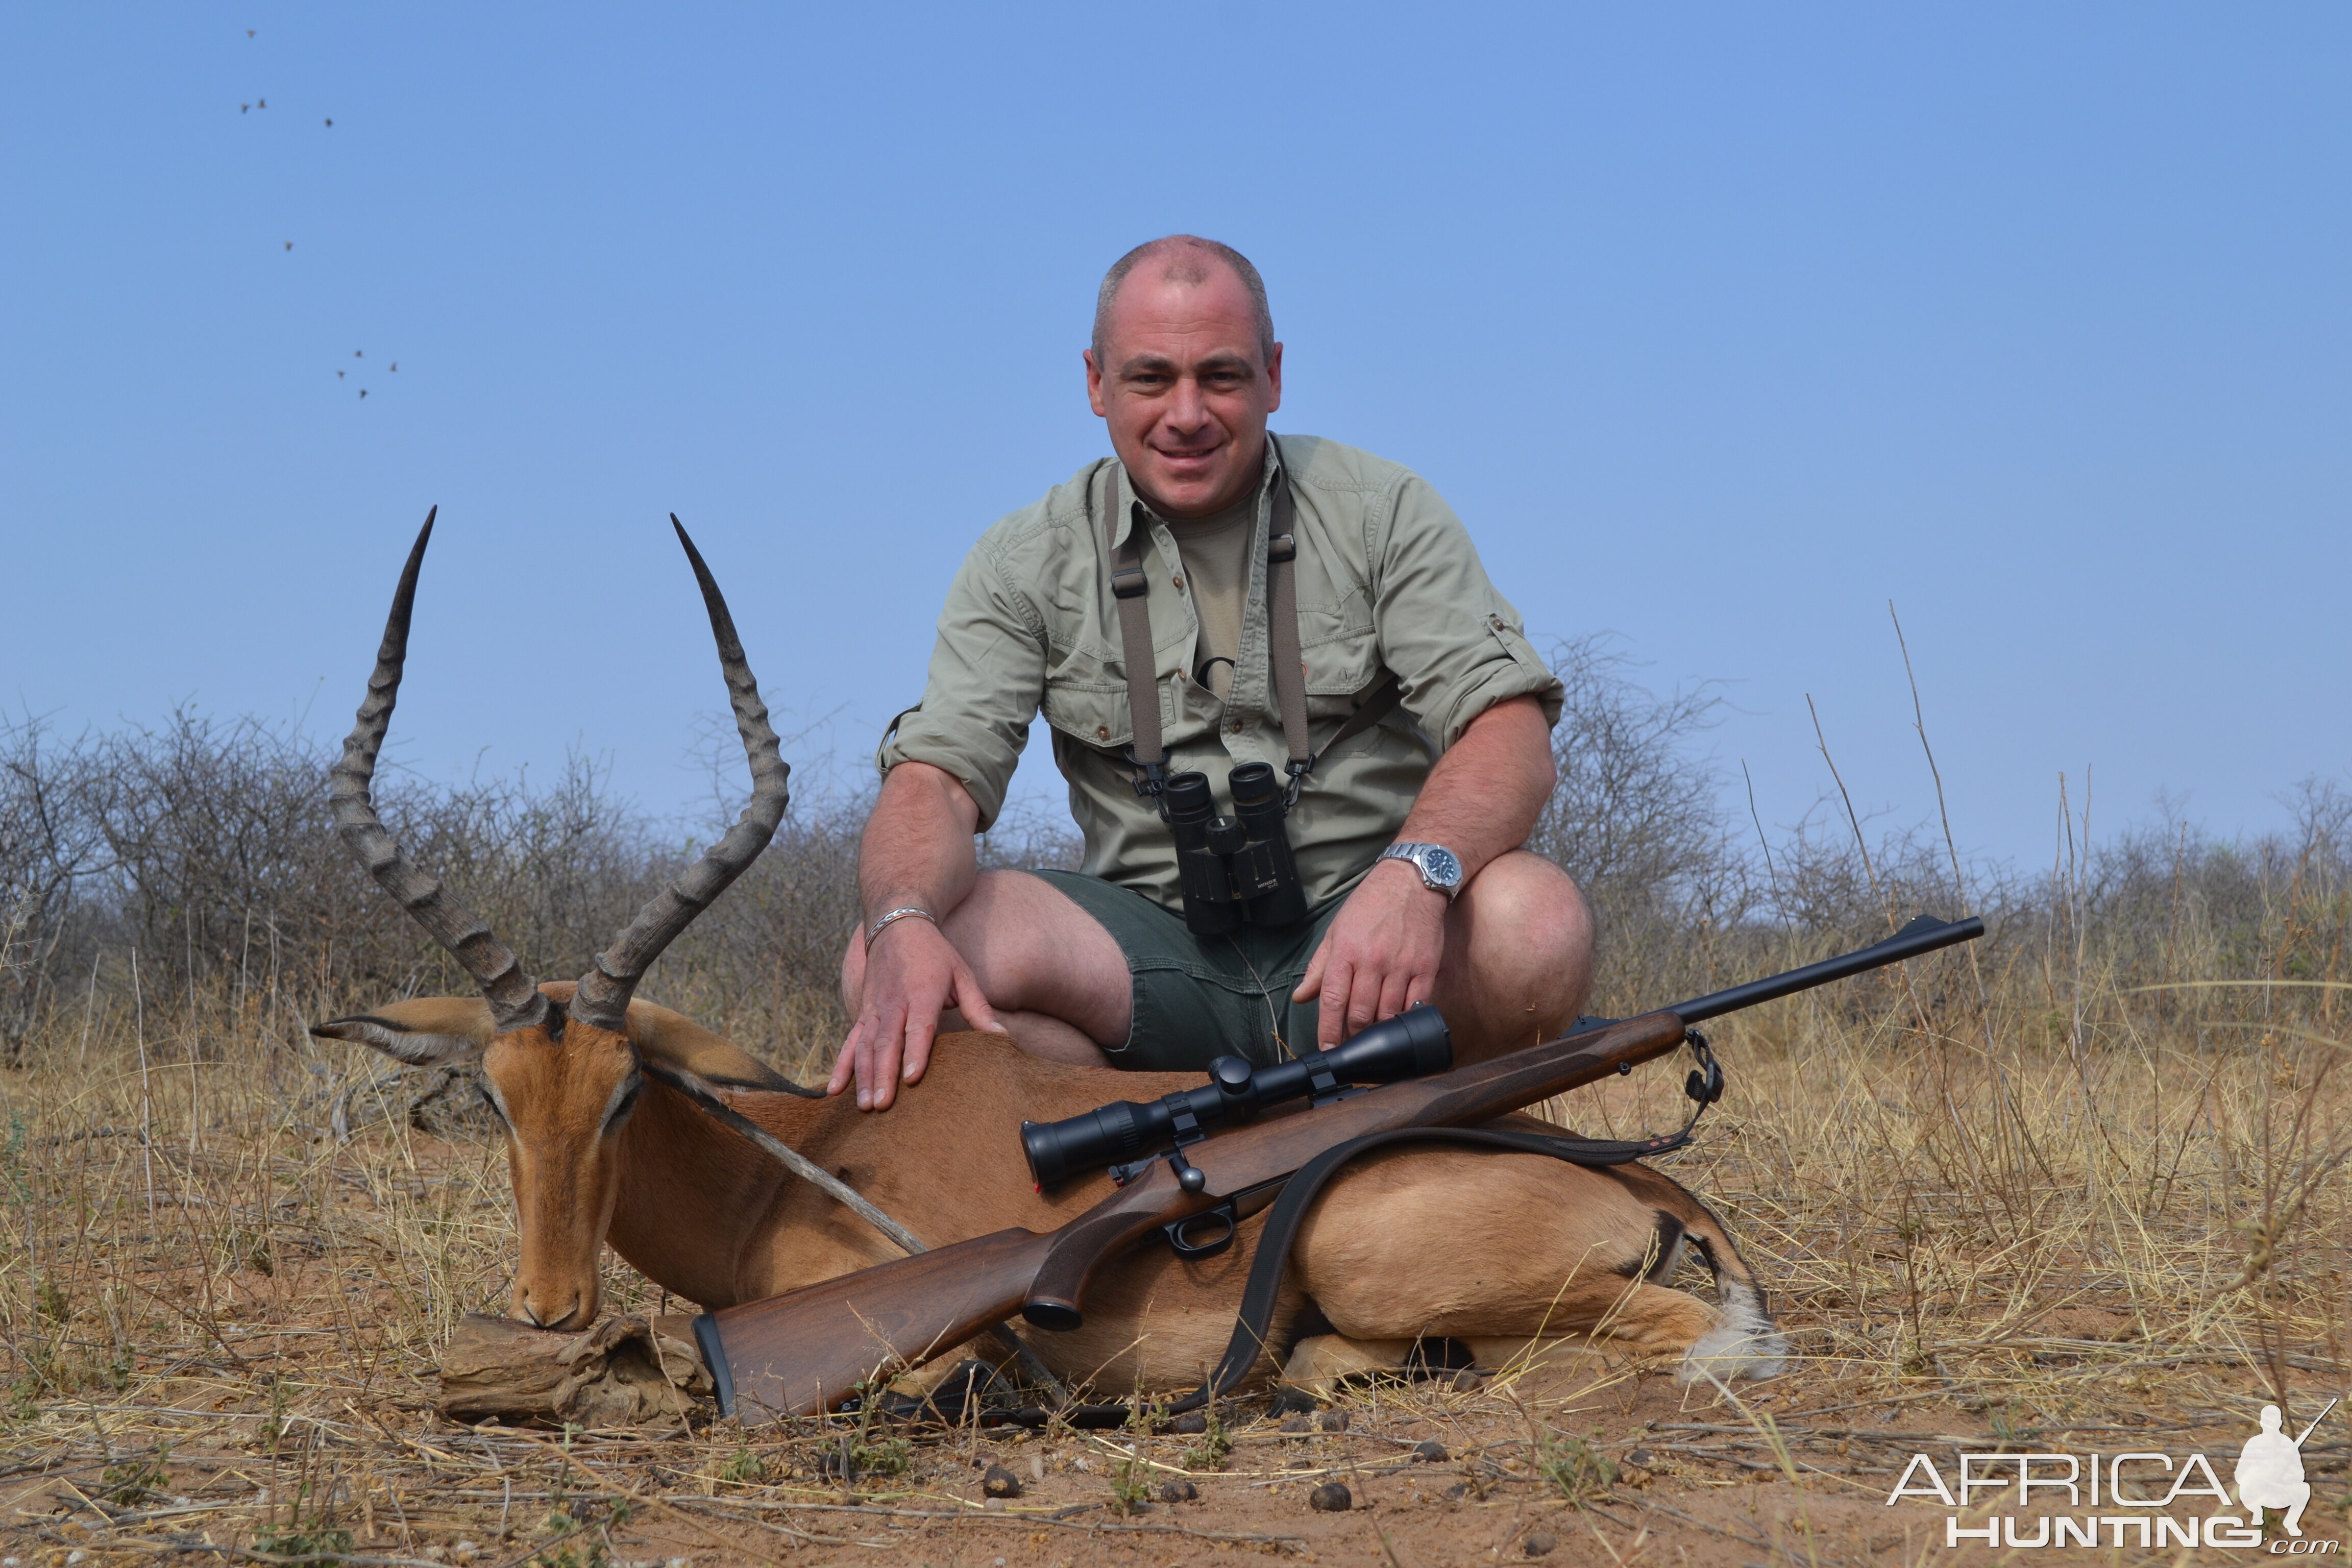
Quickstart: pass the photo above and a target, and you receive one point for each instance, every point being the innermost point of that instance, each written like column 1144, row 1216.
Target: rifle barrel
column 1923, row 935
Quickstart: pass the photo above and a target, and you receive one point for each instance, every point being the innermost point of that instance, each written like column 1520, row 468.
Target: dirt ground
column 227, row 1282
column 299, row 1426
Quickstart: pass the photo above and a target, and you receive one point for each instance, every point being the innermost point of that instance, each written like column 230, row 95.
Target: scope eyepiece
column 1412, row 1045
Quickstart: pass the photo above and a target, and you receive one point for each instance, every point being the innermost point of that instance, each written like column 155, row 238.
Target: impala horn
column 602, row 999
column 515, row 1000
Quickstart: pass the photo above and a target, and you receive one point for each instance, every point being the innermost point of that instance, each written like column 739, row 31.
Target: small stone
column 1331, row 1421
column 1430, row 1451
column 1296, row 1424
column 1466, row 1382
column 1037, row 1467
column 1000, row 1482
column 1190, row 1423
column 1331, row 1497
column 1538, row 1544
column 1459, row 1488
column 1638, row 1456
column 1178, row 1491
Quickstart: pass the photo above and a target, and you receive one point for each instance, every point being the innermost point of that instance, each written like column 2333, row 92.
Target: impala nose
column 539, row 1319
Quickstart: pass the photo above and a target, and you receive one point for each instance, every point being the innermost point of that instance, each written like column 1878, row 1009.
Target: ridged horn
column 515, row 1001
column 602, row 999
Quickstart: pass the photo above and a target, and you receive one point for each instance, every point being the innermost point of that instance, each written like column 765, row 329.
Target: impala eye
column 624, row 1101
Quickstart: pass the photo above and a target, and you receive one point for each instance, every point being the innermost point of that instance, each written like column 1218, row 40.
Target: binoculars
column 1414, row 1043
column 1235, row 870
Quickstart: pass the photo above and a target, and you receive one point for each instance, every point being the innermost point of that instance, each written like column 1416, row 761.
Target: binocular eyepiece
column 1414, row 1043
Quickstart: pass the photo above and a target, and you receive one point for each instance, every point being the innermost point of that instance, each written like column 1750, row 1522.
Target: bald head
column 1189, row 260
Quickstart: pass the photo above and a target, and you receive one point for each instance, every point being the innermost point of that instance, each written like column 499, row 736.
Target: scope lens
column 1412, row 1045
column 1188, row 797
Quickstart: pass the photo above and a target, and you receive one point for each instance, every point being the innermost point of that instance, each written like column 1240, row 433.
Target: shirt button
column 1102, row 731
column 1232, row 726
column 1179, row 580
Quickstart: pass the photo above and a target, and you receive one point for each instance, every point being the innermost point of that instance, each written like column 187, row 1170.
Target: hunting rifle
column 811, row 1350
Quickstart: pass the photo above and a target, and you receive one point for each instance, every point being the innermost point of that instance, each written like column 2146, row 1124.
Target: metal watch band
column 904, row 912
column 1416, row 854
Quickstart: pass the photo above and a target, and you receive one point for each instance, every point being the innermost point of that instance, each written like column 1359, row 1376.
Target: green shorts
column 1197, row 997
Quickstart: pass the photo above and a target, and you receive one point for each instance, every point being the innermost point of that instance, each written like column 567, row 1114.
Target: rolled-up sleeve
column 986, row 680
column 1456, row 646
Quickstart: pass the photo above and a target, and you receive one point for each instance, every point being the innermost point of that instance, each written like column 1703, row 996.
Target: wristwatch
column 1440, row 871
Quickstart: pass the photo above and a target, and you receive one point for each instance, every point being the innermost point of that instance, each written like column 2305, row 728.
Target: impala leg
column 1321, row 1361
column 1640, row 1322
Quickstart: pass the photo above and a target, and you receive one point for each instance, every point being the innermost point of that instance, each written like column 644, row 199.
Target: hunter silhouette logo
column 2152, row 1495
column 2270, row 1471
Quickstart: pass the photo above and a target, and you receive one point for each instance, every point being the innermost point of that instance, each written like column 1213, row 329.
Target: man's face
column 1186, row 390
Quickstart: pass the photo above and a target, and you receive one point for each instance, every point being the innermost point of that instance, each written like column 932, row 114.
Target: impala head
column 561, row 1061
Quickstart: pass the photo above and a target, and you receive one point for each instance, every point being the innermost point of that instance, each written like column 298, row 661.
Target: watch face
column 1443, row 868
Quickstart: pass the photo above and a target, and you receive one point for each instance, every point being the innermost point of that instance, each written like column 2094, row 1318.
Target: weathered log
column 629, row 1371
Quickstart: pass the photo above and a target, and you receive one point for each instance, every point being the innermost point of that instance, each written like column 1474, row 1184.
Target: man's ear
column 429, row 1031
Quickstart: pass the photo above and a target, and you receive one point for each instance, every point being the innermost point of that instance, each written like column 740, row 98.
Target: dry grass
column 2084, row 1189
column 222, row 1321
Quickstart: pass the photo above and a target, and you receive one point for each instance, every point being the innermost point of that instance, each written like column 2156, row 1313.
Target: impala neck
column 696, row 1201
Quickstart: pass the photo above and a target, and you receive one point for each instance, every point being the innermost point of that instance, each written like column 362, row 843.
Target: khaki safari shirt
column 1388, row 581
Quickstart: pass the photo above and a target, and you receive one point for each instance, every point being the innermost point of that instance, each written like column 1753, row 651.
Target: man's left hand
column 1381, row 955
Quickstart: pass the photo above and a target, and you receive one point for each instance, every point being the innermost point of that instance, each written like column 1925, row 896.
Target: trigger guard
column 1174, row 1231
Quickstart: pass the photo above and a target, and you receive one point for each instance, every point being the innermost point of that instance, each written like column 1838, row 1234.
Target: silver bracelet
column 904, row 911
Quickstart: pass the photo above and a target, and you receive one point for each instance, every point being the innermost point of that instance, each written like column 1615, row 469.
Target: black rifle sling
column 1248, row 1346
column 1252, row 1325
column 1131, row 591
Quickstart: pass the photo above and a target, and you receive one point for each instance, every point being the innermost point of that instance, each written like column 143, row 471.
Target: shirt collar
column 1130, row 506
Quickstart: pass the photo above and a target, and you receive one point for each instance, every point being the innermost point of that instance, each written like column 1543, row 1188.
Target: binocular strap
column 1130, row 590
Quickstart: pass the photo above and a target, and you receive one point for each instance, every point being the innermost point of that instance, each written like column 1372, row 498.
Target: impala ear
column 429, row 1031
column 678, row 1041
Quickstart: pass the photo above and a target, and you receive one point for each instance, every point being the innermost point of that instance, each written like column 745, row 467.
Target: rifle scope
column 1410, row 1045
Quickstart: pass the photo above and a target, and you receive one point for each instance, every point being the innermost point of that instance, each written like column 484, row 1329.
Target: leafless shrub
column 201, row 847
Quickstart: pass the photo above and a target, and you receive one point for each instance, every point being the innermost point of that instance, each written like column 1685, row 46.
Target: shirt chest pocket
column 1086, row 700
column 1341, row 649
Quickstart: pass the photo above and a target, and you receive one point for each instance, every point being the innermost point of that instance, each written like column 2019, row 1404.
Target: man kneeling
column 1215, row 609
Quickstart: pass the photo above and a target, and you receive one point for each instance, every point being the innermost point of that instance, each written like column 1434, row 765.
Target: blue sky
column 1721, row 325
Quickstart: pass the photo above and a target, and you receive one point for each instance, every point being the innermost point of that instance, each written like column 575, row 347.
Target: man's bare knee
column 1520, row 952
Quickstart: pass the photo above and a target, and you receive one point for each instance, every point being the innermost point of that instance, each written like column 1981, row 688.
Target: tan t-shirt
column 1215, row 550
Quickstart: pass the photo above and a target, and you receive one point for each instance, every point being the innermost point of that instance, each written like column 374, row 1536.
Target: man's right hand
column 913, row 973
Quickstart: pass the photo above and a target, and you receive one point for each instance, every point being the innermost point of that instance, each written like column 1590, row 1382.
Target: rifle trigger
column 1178, row 1244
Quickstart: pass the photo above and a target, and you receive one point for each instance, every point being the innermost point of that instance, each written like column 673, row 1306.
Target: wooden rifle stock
column 807, row 1351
